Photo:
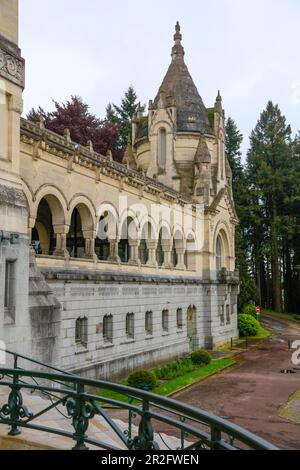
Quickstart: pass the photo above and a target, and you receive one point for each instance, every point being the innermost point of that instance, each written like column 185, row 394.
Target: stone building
column 106, row 267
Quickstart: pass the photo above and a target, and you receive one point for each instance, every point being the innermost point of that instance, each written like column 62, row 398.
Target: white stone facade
column 79, row 301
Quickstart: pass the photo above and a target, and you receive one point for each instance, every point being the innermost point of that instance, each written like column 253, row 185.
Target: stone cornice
column 43, row 139
column 12, row 65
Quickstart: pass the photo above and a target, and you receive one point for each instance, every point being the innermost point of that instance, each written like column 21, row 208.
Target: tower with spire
column 181, row 143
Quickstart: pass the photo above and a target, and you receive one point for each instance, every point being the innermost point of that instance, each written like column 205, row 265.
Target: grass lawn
column 262, row 333
column 166, row 388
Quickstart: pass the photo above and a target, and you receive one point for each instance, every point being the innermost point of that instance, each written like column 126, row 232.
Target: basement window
column 130, row 325
column 165, row 321
column 108, row 329
column 149, row 323
column 81, row 332
column 179, row 319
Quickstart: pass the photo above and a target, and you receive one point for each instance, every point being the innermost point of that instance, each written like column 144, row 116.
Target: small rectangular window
column 10, row 289
column 108, row 329
column 130, row 325
column 81, row 332
column 149, row 323
column 165, row 321
column 179, row 319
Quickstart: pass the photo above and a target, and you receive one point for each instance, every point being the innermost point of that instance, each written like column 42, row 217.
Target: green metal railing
column 71, row 396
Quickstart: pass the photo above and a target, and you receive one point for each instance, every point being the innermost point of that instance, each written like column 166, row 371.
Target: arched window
column 219, row 254
column 130, row 325
column 162, row 159
column 108, row 329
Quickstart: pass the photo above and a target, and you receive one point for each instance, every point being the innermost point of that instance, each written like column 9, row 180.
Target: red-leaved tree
column 83, row 126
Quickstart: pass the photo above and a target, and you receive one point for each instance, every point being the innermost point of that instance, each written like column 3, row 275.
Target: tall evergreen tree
column 269, row 161
column 122, row 115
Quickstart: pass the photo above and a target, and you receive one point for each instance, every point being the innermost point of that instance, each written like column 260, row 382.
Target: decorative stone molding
column 12, row 66
column 12, row 197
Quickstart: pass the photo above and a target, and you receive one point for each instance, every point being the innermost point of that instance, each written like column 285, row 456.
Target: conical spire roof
column 178, row 84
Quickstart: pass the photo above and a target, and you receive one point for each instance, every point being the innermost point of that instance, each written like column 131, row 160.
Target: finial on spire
column 177, row 50
column 218, row 105
column 177, row 35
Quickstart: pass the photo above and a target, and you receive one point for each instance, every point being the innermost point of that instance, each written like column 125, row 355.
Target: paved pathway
column 251, row 394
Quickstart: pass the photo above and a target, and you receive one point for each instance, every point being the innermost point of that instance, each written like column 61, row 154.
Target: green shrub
column 250, row 310
column 201, row 357
column 248, row 326
column 142, row 379
column 297, row 317
column 175, row 369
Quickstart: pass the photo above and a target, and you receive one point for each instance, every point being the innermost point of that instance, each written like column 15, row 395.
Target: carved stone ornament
column 12, row 67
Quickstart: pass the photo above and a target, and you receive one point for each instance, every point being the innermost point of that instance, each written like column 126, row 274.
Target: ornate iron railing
column 74, row 398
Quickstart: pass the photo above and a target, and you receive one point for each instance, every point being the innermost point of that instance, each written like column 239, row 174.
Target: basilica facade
column 107, row 267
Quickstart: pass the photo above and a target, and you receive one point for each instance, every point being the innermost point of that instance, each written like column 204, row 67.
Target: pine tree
column 269, row 160
column 122, row 115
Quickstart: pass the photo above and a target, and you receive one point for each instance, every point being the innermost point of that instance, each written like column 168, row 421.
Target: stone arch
column 222, row 236
column 56, row 201
column 30, row 199
column 86, row 210
column 48, row 223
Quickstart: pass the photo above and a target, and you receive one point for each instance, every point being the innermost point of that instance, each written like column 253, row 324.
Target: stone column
column 167, row 249
column 180, row 251
column 134, row 252
column 114, row 251
column 152, row 247
column 61, row 232
column 90, row 237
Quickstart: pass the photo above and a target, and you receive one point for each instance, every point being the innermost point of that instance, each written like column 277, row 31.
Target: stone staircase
column 55, row 418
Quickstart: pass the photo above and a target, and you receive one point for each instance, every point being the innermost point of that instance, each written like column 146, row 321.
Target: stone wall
column 95, row 295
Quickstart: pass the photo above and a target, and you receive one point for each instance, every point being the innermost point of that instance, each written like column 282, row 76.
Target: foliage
column 174, row 369
column 248, row 326
column 122, row 116
column 250, row 310
column 142, row 379
column 177, row 383
column 201, row 357
column 296, row 317
column 273, row 166
column 82, row 124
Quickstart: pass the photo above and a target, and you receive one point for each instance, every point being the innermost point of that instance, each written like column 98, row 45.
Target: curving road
column 251, row 393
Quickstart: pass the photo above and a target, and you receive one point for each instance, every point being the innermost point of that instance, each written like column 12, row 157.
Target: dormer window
column 162, row 148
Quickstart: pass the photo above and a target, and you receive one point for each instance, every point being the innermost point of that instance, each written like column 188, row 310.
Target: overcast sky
column 249, row 49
